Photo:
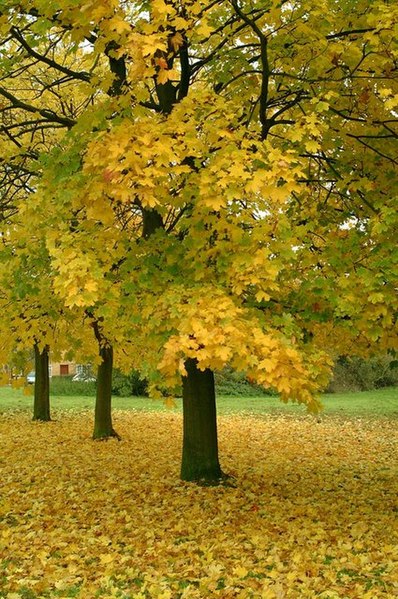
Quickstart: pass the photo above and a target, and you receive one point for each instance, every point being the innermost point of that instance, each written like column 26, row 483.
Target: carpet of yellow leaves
column 313, row 512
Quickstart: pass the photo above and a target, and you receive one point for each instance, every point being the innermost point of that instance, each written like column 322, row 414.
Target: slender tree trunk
column 41, row 404
column 200, row 446
column 103, row 428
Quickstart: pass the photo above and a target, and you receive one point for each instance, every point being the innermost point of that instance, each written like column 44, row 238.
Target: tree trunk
column 200, row 446
column 151, row 222
column 103, row 428
column 41, row 403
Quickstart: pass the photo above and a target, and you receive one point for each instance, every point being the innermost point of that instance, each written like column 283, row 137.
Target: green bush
column 357, row 374
column 63, row 385
column 235, row 384
column 122, row 385
column 125, row 385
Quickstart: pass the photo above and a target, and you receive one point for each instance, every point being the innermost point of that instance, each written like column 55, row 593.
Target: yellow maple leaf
column 163, row 76
column 119, row 25
column 311, row 145
column 204, row 29
column 176, row 41
column 91, row 286
column 170, row 403
column 296, row 134
column 241, row 572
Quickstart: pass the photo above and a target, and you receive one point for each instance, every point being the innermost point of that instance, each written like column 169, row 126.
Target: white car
column 31, row 378
column 84, row 378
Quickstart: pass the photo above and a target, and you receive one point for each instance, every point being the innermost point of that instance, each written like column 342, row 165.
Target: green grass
column 380, row 403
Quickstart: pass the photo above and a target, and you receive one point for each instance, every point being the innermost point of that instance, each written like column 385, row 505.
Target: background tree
column 33, row 114
column 43, row 92
column 34, row 319
column 41, row 404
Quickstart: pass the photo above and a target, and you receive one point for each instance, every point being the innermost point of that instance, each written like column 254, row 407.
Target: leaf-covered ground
column 313, row 512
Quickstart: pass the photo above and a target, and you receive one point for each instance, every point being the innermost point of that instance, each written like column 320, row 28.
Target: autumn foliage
column 310, row 513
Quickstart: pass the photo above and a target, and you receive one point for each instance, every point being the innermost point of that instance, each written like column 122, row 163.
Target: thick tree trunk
column 103, row 428
column 41, row 403
column 200, row 446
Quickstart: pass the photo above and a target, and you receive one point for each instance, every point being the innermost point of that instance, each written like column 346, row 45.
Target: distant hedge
column 122, row 385
column 350, row 374
column 235, row 384
column 357, row 374
column 63, row 385
column 125, row 385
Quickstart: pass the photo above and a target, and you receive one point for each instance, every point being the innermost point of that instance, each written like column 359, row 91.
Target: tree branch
column 333, row 36
column 185, row 71
column 83, row 76
column 49, row 115
column 265, row 70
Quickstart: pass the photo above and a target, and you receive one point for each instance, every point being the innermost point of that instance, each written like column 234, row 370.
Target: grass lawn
column 380, row 403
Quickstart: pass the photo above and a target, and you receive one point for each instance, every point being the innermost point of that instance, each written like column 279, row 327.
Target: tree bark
column 41, row 403
column 200, row 445
column 103, row 428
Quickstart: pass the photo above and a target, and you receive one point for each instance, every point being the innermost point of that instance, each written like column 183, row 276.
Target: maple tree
column 26, row 321
column 41, row 404
column 230, row 182
column 33, row 320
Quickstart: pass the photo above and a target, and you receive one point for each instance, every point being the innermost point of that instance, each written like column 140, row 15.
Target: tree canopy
column 211, row 181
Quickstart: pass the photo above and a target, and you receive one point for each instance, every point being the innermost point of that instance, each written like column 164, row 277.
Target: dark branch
column 333, row 36
column 83, row 76
column 49, row 115
column 185, row 71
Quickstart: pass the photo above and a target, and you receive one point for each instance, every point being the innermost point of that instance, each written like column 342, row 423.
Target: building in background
column 63, row 368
